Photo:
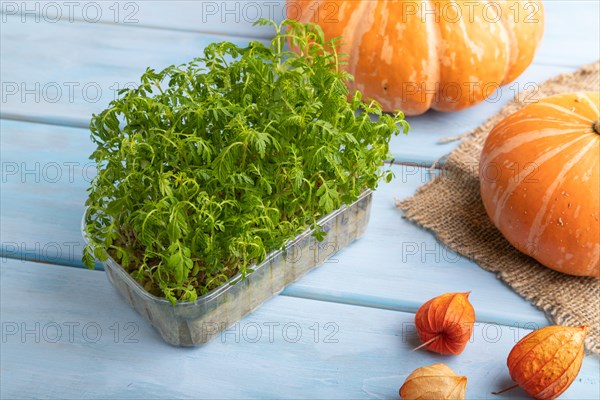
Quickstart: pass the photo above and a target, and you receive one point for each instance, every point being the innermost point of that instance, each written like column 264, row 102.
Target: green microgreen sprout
column 206, row 168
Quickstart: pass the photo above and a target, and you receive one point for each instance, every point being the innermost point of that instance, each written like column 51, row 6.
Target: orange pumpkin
column 539, row 177
column 441, row 54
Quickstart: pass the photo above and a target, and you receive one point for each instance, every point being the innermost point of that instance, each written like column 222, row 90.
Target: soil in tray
column 152, row 287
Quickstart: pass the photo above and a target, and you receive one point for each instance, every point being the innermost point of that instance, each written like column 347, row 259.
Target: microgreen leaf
column 206, row 167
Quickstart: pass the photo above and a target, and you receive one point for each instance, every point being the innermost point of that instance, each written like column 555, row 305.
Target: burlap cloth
column 451, row 207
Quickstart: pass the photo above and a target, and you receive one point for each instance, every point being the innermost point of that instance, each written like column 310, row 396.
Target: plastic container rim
column 234, row 280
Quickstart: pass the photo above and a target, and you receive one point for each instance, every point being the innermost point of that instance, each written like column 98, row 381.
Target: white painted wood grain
column 368, row 357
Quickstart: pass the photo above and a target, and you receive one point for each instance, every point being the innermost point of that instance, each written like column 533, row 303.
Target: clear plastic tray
column 195, row 323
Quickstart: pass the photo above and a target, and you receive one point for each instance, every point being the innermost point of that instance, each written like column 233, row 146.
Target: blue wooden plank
column 395, row 265
column 44, row 173
column 158, row 49
column 572, row 33
column 236, row 18
column 399, row 266
column 231, row 18
column 106, row 350
column 63, row 70
column 29, row 369
column 33, row 77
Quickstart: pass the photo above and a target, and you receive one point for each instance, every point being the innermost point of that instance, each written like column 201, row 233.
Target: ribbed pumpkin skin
column 410, row 59
column 539, row 179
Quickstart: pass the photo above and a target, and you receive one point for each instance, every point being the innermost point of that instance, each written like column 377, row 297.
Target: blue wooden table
column 343, row 331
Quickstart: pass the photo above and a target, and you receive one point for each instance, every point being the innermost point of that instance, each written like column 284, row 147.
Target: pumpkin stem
column 506, row 389
column 596, row 127
column 433, row 339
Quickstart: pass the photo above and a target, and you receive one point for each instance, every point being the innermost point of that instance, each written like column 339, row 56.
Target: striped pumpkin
column 415, row 55
column 539, row 177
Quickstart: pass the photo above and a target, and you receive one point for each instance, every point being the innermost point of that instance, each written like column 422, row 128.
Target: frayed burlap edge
column 450, row 206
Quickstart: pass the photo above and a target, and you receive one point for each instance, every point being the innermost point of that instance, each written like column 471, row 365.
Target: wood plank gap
column 410, row 307
column 85, row 124
column 25, row 256
column 45, row 120
column 424, row 164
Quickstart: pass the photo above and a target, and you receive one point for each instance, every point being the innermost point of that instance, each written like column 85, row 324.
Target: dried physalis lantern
column 437, row 381
column 546, row 362
column 445, row 323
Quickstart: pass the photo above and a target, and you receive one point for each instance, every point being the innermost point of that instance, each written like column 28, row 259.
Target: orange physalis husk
column 445, row 323
column 437, row 381
column 546, row 362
